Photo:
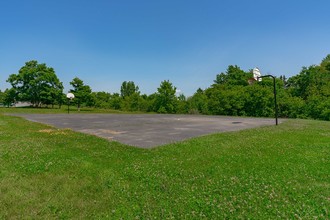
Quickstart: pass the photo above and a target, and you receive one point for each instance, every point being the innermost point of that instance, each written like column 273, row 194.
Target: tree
column 115, row 101
column 182, row 104
column 128, row 89
column 284, row 80
column 54, row 93
column 258, row 100
column 150, row 102
column 102, row 99
column 198, row 103
column 146, row 103
column 233, row 76
column 131, row 96
column 36, row 83
column 166, row 101
column 312, row 85
column 132, row 102
column 82, row 92
column 226, row 100
column 326, row 63
column 1, row 97
column 9, row 97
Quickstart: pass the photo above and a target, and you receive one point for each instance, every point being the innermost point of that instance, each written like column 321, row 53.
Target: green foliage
column 132, row 102
column 128, row 88
column 233, row 76
column 182, row 104
column 290, row 106
column 312, row 84
column 36, row 83
column 166, row 100
column 259, row 101
column 115, row 101
column 102, row 99
column 325, row 64
column 305, row 95
column 82, row 93
column 131, row 98
column 198, row 103
column 8, row 97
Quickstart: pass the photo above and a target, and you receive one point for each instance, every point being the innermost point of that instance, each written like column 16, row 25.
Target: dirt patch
column 101, row 131
column 54, row 131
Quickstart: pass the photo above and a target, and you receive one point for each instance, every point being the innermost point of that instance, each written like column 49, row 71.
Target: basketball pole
column 70, row 96
column 275, row 101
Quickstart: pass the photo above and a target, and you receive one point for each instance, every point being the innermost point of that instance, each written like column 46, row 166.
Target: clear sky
column 106, row 42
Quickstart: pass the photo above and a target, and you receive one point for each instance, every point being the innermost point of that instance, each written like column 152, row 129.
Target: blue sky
column 147, row 41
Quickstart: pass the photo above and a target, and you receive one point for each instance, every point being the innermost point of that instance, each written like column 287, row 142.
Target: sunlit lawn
column 264, row 173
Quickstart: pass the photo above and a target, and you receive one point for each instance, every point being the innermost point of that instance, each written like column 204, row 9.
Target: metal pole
column 275, row 102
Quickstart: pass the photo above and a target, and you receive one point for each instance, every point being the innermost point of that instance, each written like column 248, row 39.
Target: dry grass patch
column 53, row 131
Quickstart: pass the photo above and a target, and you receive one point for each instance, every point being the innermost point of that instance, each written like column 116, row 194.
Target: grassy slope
column 270, row 172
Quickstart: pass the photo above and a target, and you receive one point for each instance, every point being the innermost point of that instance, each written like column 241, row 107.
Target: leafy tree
column 259, row 101
column 1, row 96
column 36, row 83
column 312, row 84
column 9, row 96
column 325, row 64
column 226, row 100
column 131, row 96
column 231, row 95
column 325, row 112
column 54, row 93
column 198, row 103
column 165, row 100
column 182, row 106
column 128, row 89
column 116, row 101
column 284, row 80
column 290, row 106
column 132, row 102
column 299, row 84
column 102, row 99
column 62, row 100
column 150, row 102
column 233, row 76
column 310, row 81
column 145, row 103
column 82, row 92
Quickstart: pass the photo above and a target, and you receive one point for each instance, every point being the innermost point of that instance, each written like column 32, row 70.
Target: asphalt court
column 147, row 130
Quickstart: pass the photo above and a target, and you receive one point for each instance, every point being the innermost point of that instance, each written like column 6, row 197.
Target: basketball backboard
column 70, row 95
column 256, row 74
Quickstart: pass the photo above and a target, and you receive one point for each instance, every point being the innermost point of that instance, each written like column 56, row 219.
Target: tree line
column 305, row 95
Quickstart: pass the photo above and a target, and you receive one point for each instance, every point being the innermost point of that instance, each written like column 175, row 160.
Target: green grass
column 272, row 172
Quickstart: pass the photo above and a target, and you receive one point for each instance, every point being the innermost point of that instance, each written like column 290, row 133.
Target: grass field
column 264, row 173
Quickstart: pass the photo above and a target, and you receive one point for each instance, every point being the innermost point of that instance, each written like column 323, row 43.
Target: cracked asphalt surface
column 147, row 130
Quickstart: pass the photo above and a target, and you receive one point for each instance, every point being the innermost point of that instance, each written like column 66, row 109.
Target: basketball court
column 147, row 130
